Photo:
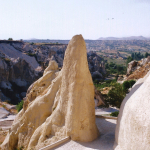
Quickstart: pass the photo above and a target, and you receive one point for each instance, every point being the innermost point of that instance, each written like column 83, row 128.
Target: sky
column 62, row 19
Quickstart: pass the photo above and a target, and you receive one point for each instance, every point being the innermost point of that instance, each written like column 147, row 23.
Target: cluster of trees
column 137, row 56
column 113, row 68
column 147, row 54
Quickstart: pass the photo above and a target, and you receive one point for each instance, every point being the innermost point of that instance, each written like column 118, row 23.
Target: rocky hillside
column 23, row 63
column 138, row 69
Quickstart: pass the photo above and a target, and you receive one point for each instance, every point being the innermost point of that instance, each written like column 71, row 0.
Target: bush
column 31, row 54
column 20, row 106
column 132, row 82
column 116, row 95
column 107, row 83
column 128, row 84
column 115, row 114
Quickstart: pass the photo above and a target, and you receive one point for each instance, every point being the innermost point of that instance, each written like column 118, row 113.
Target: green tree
column 146, row 55
column 116, row 95
column 129, row 59
column 128, row 84
column 10, row 39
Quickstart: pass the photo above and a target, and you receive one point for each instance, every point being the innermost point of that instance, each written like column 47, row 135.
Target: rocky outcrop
column 96, row 66
column 133, row 124
column 131, row 67
column 61, row 104
column 98, row 98
column 22, row 63
column 138, row 69
column 15, row 77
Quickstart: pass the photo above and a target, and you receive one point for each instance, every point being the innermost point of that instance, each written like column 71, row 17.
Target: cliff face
column 22, row 63
column 16, row 75
column 62, row 102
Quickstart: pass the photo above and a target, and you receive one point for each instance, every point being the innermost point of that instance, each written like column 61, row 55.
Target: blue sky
column 61, row 19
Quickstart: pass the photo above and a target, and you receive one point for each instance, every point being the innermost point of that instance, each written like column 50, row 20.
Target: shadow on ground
column 104, row 142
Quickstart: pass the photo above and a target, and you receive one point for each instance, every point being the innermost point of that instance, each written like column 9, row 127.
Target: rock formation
column 138, row 69
column 15, row 77
column 131, row 67
column 59, row 104
column 23, row 63
column 98, row 98
column 133, row 124
column 96, row 66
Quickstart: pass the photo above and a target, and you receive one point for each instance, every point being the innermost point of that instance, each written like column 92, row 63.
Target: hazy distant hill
column 126, row 38
column 46, row 41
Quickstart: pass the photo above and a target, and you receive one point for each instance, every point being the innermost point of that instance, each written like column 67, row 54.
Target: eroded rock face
column 58, row 104
column 138, row 69
column 23, row 63
column 15, row 77
column 133, row 125
column 131, row 67
column 96, row 65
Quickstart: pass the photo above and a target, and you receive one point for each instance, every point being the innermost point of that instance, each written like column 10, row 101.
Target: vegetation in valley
column 117, row 91
column 107, row 83
column 137, row 56
column 116, row 95
column 20, row 105
column 128, row 84
column 113, row 68
column 114, row 114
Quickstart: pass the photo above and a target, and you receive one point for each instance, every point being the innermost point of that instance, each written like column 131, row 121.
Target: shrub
column 128, row 84
column 4, row 106
column 107, row 83
column 31, row 54
column 20, row 106
column 132, row 82
column 115, row 114
column 116, row 95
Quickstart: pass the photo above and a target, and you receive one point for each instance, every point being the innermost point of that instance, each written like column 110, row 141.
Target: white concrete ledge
column 106, row 117
column 48, row 147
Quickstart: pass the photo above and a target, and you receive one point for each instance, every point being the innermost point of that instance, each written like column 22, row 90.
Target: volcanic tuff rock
column 96, row 65
column 133, row 124
column 131, row 67
column 59, row 104
column 138, row 69
column 15, row 77
column 22, row 63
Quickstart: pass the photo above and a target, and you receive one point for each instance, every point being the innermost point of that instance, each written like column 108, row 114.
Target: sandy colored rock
column 133, row 125
column 99, row 98
column 65, row 107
